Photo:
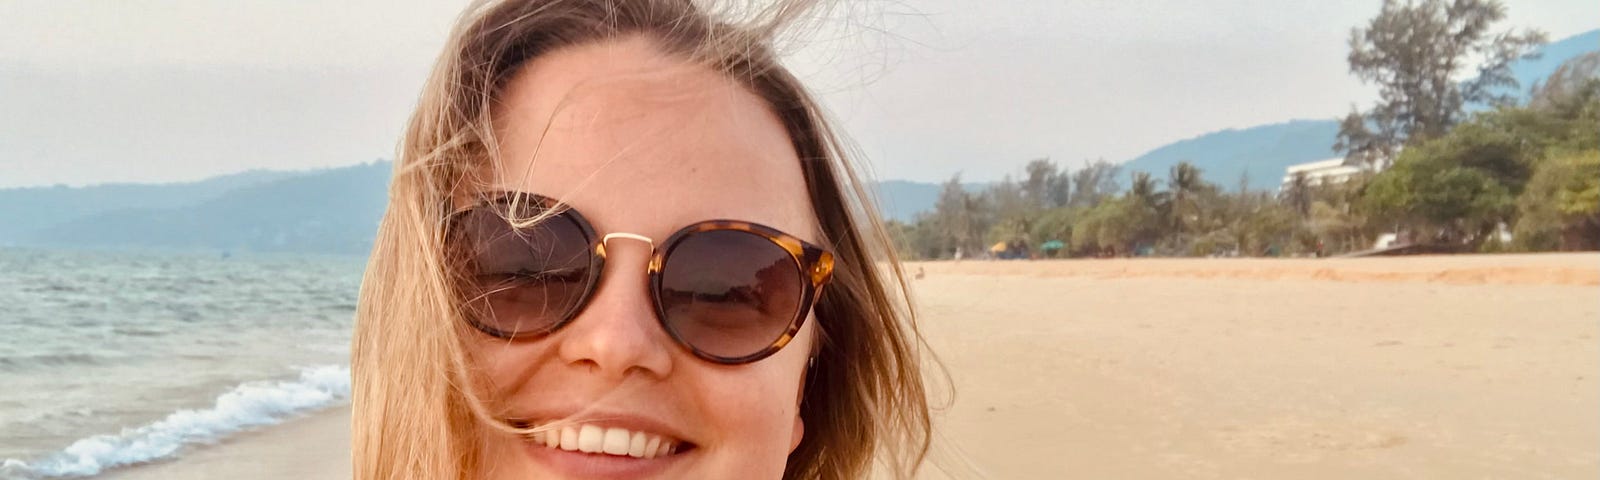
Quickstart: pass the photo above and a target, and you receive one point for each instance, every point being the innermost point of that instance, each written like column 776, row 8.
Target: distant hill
column 1264, row 151
column 1530, row 72
column 901, row 200
column 324, row 211
column 31, row 209
column 327, row 211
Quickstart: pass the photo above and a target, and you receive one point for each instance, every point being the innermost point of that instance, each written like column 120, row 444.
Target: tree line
column 1501, row 177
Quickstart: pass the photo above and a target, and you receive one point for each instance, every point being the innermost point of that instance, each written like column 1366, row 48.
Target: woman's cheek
column 753, row 414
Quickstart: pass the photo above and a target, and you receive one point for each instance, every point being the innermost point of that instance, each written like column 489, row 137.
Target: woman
column 623, row 243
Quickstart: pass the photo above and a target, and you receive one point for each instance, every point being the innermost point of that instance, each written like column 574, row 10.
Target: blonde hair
column 416, row 413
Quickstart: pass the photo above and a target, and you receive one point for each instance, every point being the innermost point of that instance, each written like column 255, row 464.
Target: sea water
column 109, row 359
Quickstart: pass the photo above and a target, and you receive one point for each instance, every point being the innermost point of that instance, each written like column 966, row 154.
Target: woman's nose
column 617, row 333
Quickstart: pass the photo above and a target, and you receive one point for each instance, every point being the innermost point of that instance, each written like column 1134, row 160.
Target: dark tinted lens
column 528, row 281
column 729, row 293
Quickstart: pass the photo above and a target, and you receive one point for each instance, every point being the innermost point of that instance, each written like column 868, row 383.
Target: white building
column 1320, row 172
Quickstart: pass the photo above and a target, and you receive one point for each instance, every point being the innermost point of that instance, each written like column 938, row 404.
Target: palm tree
column 1184, row 185
column 1143, row 188
column 1148, row 210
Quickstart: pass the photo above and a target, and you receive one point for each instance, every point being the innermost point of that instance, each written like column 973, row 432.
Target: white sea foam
column 246, row 406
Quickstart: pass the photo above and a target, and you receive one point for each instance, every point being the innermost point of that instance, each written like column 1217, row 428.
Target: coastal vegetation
column 1459, row 165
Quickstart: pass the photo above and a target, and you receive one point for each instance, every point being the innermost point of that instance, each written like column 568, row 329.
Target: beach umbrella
column 1053, row 245
column 998, row 247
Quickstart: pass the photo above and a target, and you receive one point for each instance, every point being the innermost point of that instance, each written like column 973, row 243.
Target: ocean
column 110, row 359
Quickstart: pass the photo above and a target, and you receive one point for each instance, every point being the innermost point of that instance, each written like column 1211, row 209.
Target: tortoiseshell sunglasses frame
column 813, row 262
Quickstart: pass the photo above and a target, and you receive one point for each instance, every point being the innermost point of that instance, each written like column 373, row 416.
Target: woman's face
column 642, row 143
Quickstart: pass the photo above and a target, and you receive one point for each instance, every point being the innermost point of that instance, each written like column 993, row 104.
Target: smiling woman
column 622, row 242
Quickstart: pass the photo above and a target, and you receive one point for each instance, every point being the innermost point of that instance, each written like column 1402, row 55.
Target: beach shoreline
column 1415, row 367
column 313, row 447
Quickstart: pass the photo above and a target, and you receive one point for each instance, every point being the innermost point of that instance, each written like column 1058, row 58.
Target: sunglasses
column 731, row 292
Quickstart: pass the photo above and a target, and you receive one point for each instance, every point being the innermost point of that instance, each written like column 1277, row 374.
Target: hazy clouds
column 137, row 90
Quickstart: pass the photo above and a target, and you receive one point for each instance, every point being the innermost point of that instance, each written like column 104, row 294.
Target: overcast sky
column 95, row 91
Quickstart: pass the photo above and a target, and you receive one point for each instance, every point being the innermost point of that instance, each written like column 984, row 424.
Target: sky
column 95, row 91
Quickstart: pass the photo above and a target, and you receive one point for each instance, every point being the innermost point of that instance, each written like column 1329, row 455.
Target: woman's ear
column 799, row 431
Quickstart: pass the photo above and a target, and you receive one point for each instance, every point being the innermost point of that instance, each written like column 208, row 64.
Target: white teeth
column 652, row 446
column 590, row 439
column 636, row 445
column 616, row 442
column 610, row 441
column 569, row 439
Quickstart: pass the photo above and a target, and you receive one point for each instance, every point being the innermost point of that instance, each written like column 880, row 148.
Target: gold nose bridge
column 652, row 267
column 629, row 236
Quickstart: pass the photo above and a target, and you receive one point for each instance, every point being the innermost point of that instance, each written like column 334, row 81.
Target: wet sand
column 316, row 447
column 1412, row 367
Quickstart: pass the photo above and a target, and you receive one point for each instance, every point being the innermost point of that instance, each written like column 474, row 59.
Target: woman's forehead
column 645, row 143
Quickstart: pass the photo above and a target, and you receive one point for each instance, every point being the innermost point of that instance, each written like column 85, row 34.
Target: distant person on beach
column 622, row 241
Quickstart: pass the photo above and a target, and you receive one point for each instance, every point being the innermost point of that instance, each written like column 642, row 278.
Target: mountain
column 327, row 211
column 1264, row 151
column 901, row 201
column 31, row 209
column 1531, row 72
column 334, row 210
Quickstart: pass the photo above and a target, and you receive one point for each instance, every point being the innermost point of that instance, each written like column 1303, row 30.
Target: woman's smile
column 610, row 446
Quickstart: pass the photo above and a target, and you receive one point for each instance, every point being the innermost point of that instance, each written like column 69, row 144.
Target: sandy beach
column 1412, row 367
column 316, row 447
